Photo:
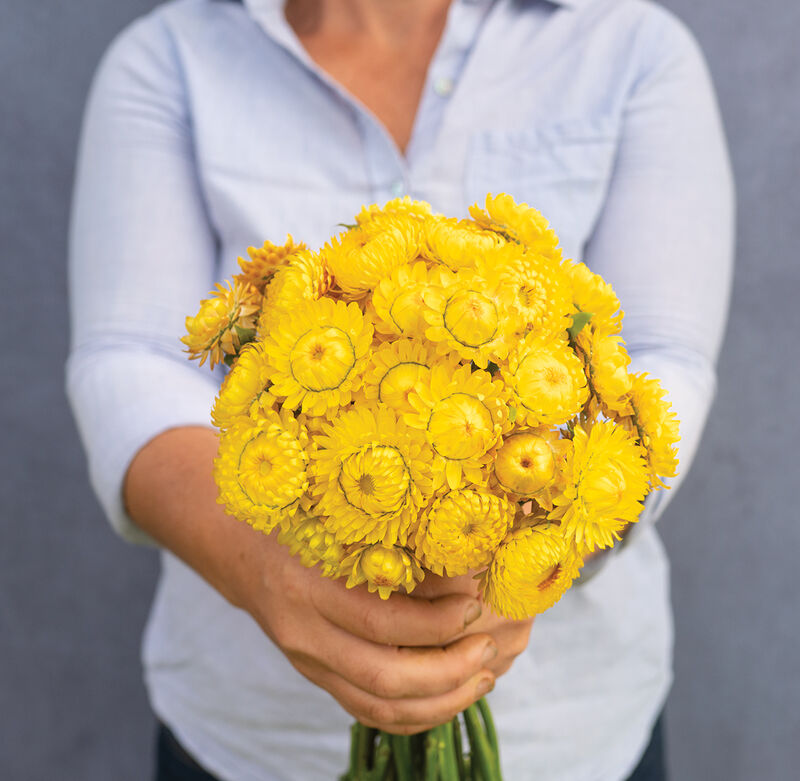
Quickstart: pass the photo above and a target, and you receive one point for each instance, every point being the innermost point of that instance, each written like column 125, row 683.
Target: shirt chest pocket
column 561, row 168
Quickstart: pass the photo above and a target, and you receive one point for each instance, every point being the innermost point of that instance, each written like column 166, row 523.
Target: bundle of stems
column 436, row 755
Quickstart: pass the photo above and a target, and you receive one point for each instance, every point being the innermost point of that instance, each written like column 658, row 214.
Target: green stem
column 383, row 756
column 432, row 754
column 491, row 732
column 479, row 745
column 449, row 765
column 402, row 757
column 459, row 750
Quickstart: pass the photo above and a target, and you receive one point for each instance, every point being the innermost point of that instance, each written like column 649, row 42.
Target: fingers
column 395, row 673
column 403, row 716
column 401, row 620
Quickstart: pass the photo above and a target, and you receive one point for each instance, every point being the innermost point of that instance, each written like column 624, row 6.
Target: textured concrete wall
column 73, row 599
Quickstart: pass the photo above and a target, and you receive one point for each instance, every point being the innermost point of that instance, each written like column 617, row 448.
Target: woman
column 214, row 125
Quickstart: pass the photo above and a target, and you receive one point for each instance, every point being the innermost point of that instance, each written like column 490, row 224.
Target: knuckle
column 373, row 625
column 383, row 684
column 382, row 712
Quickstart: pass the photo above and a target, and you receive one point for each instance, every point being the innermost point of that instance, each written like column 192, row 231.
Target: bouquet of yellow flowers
column 432, row 394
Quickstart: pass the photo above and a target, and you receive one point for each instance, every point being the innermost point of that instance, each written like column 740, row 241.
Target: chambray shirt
column 209, row 129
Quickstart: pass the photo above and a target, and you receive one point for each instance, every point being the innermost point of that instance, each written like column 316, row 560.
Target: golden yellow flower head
column 361, row 257
column 531, row 465
column 547, row 380
column 304, row 277
column 384, row 568
column 398, row 303
column 224, row 323
column 245, row 389
column 394, row 370
column 260, row 469
column 402, row 207
column 606, row 487
column 318, row 355
column 591, row 293
column 307, row 537
column 517, row 222
column 265, row 261
column 457, row 243
column 371, row 476
column 465, row 315
column 605, row 362
column 532, row 288
column 530, row 571
column 656, row 427
column 463, row 414
column 461, row 530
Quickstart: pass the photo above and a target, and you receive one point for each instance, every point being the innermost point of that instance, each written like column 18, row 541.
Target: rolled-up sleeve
column 142, row 253
column 665, row 236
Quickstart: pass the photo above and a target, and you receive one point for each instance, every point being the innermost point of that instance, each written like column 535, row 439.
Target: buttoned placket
column 391, row 173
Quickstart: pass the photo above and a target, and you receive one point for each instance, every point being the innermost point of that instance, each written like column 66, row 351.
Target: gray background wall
column 73, row 599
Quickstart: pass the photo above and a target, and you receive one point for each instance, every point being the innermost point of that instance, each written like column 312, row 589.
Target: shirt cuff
column 122, row 398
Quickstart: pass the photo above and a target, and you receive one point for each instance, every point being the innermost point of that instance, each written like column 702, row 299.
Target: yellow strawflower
column 532, row 288
column 318, row 354
column 398, row 302
column 371, row 476
column 465, row 315
column 224, row 323
column 656, row 427
column 457, row 243
column 304, row 277
column 605, row 363
column 531, row 465
column 265, row 261
column 460, row 531
column 244, row 390
column 307, row 537
column 260, row 469
column 361, row 257
column 547, row 381
column 530, row 571
column 384, row 568
column 607, row 484
column 405, row 207
column 463, row 414
column 394, row 370
column 517, row 222
column 591, row 293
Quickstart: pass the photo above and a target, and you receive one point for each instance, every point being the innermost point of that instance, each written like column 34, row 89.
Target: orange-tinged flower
column 265, row 261
column 225, row 322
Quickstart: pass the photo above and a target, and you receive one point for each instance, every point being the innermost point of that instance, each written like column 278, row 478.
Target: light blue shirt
column 209, row 129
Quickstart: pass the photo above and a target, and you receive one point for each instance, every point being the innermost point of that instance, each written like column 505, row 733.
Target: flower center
column 272, row 469
column 406, row 310
column 375, row 480
column 396, row 385
column 471, row 318
column 461, row 427
column 525, row 464
column 322, row 358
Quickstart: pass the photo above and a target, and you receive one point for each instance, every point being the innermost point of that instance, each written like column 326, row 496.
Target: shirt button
column 443, row 86
column 397, row 188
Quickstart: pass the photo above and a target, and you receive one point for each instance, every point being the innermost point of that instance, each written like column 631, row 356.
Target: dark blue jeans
column 173, row 762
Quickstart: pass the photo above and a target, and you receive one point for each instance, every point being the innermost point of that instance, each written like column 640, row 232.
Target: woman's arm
column 665, row 236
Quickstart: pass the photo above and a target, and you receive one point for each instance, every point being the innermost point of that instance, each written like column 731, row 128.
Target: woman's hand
column 510, row 637
column 402, row 665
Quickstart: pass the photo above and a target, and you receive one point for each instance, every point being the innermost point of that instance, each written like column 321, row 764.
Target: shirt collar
column 276, row 5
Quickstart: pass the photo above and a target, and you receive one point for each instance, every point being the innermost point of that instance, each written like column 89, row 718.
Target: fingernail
column 489, row 653
column 485, row 685
column 472, row 614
